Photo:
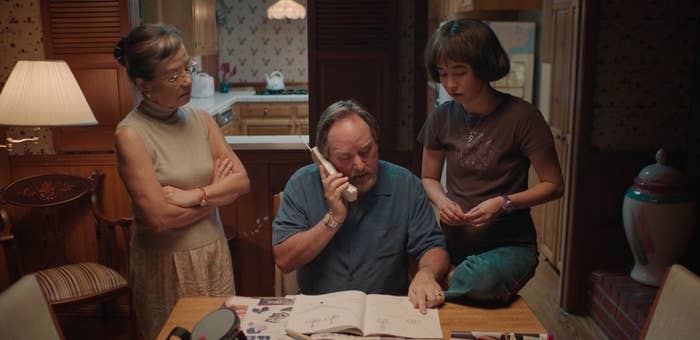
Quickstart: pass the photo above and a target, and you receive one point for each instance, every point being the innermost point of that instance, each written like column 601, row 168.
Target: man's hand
column 425, row 292
column 333, row 186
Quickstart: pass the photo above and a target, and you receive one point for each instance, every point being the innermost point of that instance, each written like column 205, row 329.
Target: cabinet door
column 196, row 20
column 252, row 252
column 563, row 34
column 204, row 21
column 265, row 110
column 84, row 34
column 267, row 126
column 352, row 54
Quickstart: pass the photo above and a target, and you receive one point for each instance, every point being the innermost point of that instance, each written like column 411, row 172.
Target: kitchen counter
column 221, row 102
column 280, row 142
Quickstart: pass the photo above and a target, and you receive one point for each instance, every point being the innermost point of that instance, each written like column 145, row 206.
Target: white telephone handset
column 350, row 193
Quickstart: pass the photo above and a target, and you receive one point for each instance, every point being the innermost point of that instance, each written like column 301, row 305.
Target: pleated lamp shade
column 43, row 93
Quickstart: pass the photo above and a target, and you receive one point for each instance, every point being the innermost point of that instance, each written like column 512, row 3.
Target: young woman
column 488, row 140
column 177, row 169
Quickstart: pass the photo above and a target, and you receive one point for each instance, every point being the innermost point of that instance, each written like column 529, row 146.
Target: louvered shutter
column 84, row 33
column 353, row 54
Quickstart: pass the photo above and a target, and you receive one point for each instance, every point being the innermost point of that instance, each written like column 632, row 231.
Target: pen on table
column 297, row 335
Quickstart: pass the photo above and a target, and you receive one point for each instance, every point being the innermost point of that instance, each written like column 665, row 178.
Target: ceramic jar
column 658, row 215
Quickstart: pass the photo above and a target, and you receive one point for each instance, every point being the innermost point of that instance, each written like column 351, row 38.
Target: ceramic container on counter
column 658, row 215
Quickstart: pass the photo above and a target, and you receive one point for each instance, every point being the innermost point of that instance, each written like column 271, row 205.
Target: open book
column 355, row 312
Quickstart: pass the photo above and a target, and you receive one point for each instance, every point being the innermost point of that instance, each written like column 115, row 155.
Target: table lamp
column 42, row 93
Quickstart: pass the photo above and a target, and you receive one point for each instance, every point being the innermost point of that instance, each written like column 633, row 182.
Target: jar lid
column 659, row 178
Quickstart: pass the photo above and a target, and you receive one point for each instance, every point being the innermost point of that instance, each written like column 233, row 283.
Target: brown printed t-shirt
column 494, row 162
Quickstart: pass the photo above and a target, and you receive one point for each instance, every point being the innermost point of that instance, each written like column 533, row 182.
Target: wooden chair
column 676, row 310
column 26, row 314
column 285, row 283
column 63, row 283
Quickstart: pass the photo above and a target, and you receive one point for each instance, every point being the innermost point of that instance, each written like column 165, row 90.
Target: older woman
column 177, row 169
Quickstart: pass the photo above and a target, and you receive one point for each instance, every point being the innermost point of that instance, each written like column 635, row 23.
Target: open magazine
column 354, row 312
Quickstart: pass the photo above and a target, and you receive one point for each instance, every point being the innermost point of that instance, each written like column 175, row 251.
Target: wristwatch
column 329, row 221
column 507, row 206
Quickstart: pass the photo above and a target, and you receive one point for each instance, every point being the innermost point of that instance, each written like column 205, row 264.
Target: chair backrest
column 676, row 310
column 285, row 283
column 25, row 312
column 53, row 199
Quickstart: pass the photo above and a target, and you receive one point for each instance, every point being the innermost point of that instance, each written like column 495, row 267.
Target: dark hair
column 467, row 41
column 145, row 47
column 338, row 111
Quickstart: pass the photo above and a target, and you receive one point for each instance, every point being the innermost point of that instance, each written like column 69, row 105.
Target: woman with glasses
column 177, row 169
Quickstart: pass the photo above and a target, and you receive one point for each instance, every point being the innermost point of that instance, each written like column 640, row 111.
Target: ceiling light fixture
column 286, row 9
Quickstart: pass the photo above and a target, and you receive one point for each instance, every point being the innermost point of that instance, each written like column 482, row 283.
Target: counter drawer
column 271, row 110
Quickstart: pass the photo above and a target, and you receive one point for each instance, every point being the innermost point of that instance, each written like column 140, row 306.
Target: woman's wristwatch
column 507, row 206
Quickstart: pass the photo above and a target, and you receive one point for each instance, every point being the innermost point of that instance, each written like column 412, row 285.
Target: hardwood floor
column 541, row 294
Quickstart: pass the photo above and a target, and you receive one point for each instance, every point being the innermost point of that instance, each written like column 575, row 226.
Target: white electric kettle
column 202, row 85
column 275, row 81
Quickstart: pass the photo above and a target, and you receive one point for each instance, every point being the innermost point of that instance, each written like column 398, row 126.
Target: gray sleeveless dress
column 190, row 261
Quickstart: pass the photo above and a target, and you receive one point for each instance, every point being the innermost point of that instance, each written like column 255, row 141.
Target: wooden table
column 518, row 317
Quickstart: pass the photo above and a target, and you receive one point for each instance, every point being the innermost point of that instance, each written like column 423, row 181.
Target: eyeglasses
column 175, row 77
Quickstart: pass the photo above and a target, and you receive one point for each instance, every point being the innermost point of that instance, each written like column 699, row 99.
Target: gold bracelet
column 203, row 203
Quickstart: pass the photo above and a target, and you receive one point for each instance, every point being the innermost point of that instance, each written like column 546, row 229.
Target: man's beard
column 364, row 180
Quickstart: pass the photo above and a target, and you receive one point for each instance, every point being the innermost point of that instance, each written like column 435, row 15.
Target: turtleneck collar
column 154, row 110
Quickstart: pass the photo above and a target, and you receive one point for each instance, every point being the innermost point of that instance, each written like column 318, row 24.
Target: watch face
column 507, row 204
column 329, row 221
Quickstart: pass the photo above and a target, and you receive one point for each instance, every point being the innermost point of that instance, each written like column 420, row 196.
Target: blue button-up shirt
column 370, row 251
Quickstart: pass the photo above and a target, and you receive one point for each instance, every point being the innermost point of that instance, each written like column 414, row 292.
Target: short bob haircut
column 467, row 41
column 338, row 111
column 145, row 47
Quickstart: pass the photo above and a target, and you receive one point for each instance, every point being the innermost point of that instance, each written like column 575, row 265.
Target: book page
column 334, row 312
column 395, row 316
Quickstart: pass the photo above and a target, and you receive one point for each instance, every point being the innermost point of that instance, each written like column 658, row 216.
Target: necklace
column 470, row 132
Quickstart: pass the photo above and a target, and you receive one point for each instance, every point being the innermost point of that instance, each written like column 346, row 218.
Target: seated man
column 364, row 245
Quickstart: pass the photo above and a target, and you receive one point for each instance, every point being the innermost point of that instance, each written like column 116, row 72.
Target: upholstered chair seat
column 80, row 281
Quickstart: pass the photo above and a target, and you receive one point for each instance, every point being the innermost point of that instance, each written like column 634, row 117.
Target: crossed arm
column 169, row 207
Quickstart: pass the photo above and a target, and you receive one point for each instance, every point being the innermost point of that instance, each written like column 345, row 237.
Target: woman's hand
column 333, row 186
column 484, row 213
column 222, row 168
column 182, row 198
column 450, row 212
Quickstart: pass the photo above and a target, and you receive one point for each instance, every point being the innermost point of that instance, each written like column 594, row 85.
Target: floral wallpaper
column 643, row 82
column 256, row 45
column 20, row 39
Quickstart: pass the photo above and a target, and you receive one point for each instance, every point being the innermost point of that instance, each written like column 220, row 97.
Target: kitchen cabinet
column 457, row 6
column 196, row 20
column 250, row 217
column 270, row 118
